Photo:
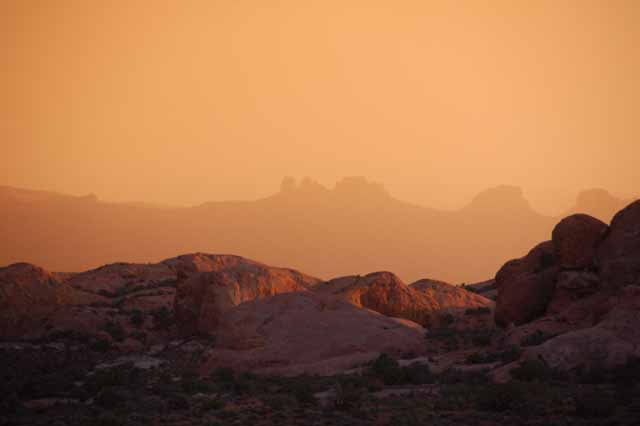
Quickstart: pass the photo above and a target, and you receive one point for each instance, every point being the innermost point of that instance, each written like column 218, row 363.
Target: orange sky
column 186, row 101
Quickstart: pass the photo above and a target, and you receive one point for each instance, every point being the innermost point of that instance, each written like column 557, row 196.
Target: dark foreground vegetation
column 384, row 392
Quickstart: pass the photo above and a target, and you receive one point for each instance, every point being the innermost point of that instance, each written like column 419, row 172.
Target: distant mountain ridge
column 355, row 227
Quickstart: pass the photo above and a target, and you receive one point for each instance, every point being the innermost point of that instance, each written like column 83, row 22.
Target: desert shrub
column 480, row 310
column 480, row 358
column 123, row 375
column 418, row 374
column 504, row 357
column 626, row 375
column 441, row 333
column 137, row 317
column 104, row 419
column 178, row 402
column 224, row 374
column 303, row 390
column 100, row 345
column 532, row 370
column 594, row 403
column 115, row 330
column 162, row 318
column 387, row 369
column 536, row 338
column 481, row 337
column 10, row 404
column 348, row 395
column 458, row 376
column 109, row 398
column 510, row 354
column 106, row 293
column 193, row 385
column 447, row 319
column 212, row 405
column 500, row 397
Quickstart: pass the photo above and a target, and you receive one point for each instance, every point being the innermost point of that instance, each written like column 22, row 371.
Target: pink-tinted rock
column 385, row 293
column 202, row 298
column 28, row 295
column 307, row 332
column 619, row 254
column 575, row 239
column 526, row 286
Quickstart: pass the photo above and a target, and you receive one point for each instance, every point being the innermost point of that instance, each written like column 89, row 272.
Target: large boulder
column 306, row 332
column 385, row 293
column 575, row 239
column 618, row 255
column 28, row 295
column 526, row 286
column 593, row 347
column 382, row 292
column 571, row 286
column 202, row 298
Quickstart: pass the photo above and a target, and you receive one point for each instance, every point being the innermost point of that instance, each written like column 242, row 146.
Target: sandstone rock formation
column 618, row 256
column 526, row 285
column 385, row 293
column 583, row 288
column 306, row 332
column 28, row 294
column 575, row 239
column 210, row 285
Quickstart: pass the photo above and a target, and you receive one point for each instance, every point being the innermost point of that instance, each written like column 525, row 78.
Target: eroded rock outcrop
column 385, row 293
column 575, row 239
column 210, row 285
column 582, row 290
column 526, row 285
column 28, row 294
column 308, row 332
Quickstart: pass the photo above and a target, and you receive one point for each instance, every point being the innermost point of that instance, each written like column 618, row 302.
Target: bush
column 457, row 376
column 137, row 317
column 508, row 355
column 192, row 385
column 115, row 330
column 212, row 405
column 303, row 391
column 123, row 375
column 348, row 395
column 481, row 338
column 100, row 345
column 593, row 403
column 387, row 369
column 536, row 338
column 480, row 310
column 224, row 374
column 109, row 398
column 418, row 374
column 162, row 318
column 500, row 397
column 532, row 370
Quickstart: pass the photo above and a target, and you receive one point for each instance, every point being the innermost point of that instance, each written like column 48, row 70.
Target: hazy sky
column 186, row 101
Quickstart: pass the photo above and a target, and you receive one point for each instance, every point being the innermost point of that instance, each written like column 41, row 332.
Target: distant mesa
column 598, row 203
column 500, row 198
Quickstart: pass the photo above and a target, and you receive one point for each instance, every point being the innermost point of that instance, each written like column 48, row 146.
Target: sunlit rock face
column 210, row 285
column 385, row 293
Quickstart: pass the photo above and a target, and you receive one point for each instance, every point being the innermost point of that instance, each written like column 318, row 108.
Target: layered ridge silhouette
column 355, row 227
